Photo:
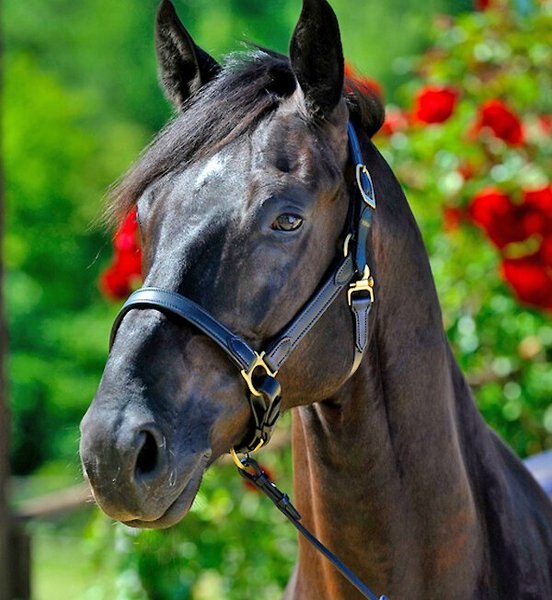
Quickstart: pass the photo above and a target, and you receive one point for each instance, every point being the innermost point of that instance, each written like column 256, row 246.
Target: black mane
column 249, row 87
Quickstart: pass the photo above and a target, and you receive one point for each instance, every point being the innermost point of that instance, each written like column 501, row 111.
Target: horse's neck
column 371, row 472
column 371, row 464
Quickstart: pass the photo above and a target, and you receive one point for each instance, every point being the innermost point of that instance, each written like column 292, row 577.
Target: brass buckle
column 248, row 375
column 362, row 170
column 364, row 284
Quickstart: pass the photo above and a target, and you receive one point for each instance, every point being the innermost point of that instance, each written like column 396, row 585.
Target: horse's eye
column 287, row 222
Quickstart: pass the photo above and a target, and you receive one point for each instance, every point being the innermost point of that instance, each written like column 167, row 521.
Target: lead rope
column 250, row 469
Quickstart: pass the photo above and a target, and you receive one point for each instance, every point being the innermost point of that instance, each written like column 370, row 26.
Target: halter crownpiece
column 259, row 369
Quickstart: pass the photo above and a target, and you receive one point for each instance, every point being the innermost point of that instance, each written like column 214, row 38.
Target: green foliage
column 60, row 154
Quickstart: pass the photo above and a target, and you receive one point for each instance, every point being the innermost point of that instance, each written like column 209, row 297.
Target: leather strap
column 284, row 344
column 235, row 347
column 170, row 302
column 364, row 226
column 360, row 308
column 361, row 299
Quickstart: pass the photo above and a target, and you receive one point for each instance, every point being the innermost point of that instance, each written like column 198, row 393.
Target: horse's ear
column 316, row 57
column 183, row 66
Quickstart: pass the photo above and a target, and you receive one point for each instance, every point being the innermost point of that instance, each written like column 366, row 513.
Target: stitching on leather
column 346, row 267
column 236, row 349
column 358, row 330
column 276, row 349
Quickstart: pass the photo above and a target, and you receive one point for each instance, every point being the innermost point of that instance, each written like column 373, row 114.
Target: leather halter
column 259, row 369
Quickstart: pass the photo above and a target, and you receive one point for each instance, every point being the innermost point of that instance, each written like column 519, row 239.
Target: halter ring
column 247, row 374
column 236, row 459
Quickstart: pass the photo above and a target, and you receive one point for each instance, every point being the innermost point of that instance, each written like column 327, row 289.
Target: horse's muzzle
column 132, row 475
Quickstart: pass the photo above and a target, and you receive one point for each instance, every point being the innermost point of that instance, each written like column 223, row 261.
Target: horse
column 244, row 201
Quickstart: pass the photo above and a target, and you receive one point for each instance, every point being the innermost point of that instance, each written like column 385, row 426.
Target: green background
column 81, row 100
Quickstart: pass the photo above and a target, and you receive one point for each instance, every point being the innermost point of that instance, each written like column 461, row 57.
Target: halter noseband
column 259, row 369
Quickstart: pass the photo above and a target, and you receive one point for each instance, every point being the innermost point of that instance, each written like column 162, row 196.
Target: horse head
column 242, row 202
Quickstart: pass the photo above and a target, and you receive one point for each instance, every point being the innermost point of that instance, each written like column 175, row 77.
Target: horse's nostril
column 147, row 459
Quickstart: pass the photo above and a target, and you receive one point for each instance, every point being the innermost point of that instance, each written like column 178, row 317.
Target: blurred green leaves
column 58, row 161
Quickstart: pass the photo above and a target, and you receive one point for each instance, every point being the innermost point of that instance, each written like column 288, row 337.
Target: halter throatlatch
column 259, row 370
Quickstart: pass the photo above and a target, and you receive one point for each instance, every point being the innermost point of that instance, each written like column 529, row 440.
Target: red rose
column 536, row 212
column 365, row 85
column 494, row 212
column 482, row 4
column 503, row 122
column 541, row 200
column 125, row 271
column 435, row 104
column 395, row 120
column 530, row 279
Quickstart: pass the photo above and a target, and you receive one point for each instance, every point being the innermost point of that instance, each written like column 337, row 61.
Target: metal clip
column 251, row 470
column 364, row 284
column 259, row 363
column 360, row 171
column 237, row 460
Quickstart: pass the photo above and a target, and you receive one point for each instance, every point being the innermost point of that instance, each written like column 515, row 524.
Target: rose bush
column 470, row 141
